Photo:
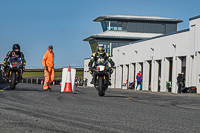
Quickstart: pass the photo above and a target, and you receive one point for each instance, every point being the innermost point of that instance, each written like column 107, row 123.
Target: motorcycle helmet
column 15, row 47
column 100, row 49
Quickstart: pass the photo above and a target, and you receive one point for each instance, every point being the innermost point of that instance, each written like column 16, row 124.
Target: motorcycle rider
column 99, row 56
column 14, row 53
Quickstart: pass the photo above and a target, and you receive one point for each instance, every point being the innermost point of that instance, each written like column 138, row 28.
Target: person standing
column 180, row 82
column 139, row 80
column 183, row 75
column 48, row 63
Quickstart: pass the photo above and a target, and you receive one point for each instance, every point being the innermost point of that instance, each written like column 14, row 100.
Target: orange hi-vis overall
column 48, row 61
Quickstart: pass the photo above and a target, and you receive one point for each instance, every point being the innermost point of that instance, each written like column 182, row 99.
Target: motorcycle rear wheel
column 13, row 79
column 101, row 84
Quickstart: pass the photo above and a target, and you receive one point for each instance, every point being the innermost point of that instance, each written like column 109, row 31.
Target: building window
column 119, row 25
column 124, row 26
column 107, row 25
column 114, row 25
column 103, row 24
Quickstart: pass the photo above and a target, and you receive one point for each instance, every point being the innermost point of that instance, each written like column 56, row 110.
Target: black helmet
column 16, row 46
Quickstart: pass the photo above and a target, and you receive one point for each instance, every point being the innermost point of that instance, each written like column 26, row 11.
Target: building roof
column 122, row 35
column 136, row 18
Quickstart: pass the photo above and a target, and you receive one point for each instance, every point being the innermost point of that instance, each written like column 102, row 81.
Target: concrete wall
column 87, row 72
column 152, row 50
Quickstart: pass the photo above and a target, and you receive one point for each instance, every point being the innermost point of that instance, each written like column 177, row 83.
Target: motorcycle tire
column 13, row 79
column 101, row 89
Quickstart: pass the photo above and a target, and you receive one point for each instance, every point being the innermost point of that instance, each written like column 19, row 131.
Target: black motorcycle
column 14, row 71
column 101, row 77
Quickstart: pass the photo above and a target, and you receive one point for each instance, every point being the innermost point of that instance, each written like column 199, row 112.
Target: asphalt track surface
column 29, row 109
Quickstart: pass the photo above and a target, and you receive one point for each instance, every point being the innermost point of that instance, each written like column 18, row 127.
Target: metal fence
column 38, row 81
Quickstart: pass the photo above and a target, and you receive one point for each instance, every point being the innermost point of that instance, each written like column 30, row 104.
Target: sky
column 36, row 24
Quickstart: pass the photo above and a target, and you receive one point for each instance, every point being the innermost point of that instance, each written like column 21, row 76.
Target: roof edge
column 97, row 36
column 193, row 18
column 102, row 18
column 184, row 30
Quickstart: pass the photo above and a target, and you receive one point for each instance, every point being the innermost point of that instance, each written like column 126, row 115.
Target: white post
column 146, row 76
column 136, row 71
column 187, row 73
column 198, row 74
column 156, row 77
column 163, row 79
column 124, row 76
column 152, row 75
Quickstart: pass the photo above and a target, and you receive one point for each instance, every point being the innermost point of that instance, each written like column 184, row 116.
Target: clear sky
column 35, row 24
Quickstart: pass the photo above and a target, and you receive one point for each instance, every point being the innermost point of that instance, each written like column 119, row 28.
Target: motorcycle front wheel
column 101, row 84
column 12, row 83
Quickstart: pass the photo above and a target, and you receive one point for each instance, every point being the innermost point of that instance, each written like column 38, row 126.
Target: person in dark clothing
column 180, row 80
column 14, row 53
column 139, row 80
column 183, row 79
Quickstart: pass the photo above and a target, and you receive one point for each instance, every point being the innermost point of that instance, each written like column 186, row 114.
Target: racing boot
column 48, row 89
column 92, row 82
column 109, row 83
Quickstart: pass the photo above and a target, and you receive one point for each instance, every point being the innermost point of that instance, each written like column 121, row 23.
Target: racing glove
column 46, row 68
column 91, row 70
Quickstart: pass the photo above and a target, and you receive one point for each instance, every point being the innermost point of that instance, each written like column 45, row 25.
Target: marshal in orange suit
column 48, row 63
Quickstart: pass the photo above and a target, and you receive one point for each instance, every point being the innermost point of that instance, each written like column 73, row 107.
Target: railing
column 38, row 81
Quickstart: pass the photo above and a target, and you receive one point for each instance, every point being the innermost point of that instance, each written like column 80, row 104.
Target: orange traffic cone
column 68, row 84
column 42, row 82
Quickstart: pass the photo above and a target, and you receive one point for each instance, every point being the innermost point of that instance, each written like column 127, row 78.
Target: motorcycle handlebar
column 107, row 69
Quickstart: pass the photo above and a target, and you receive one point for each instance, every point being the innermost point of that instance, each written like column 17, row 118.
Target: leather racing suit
column 6, row 62
column 95, row 58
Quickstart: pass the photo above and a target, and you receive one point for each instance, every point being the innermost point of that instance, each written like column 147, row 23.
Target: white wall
column 87, row 72
column 175, row 45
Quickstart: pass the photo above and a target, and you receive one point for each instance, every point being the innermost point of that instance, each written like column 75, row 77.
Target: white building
column 162, row 56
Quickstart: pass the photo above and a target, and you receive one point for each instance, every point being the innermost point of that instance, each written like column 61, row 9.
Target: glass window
column 115, row 45
column 108, row 51
column 114, row 25
column 103, row 24
column 119, row 25
column 107, row 24
column 119, row 28
column 124, row 26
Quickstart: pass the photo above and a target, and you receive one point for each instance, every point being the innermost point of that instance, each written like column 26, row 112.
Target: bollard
column 41, row 82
